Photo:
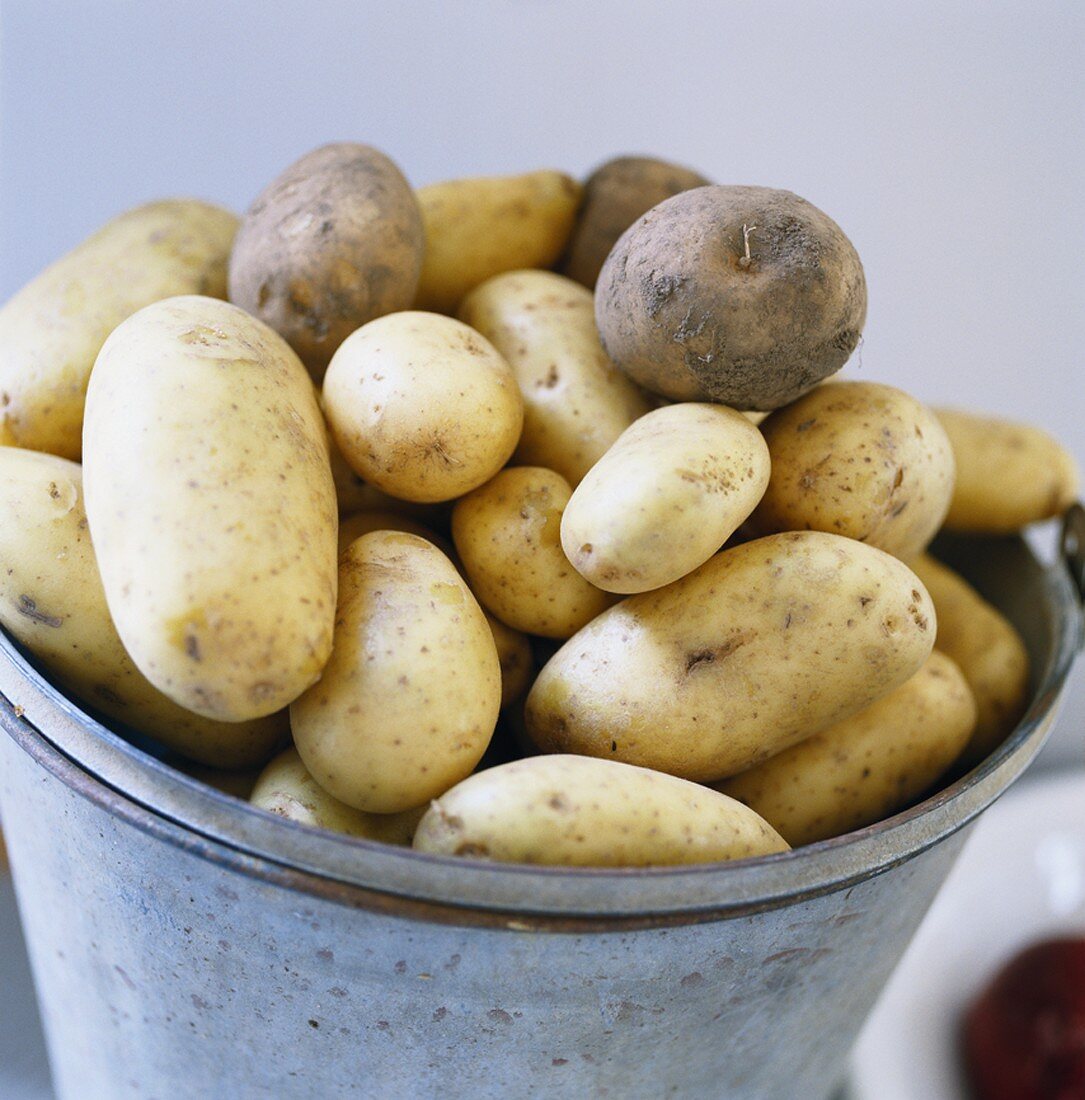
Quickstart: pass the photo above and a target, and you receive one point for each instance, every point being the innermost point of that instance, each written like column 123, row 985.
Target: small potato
column 765, row 644
column 665, row 497
column 517, row 662
column 422, row 406
column 331, row 243
column 576, row 403
column 576, row 812
column 1008, row 474
column 868, row 766
column 409, row 700
column 508, row 537
column 52, row 330
column 858, row 459
column 479, row 227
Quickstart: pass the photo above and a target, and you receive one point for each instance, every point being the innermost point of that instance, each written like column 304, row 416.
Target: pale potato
column 577, row 812
column 515, row 657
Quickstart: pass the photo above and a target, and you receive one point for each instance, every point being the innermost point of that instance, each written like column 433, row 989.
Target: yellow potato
column 515, row 657
column 53, row 604
column 1008, row 474
column 410, row 697
column 765, row 644
column 576, row 402
column 578, row 812
column 508, row 537
column 669, row 493
column 212, row 507
column 361, row 523
column 868, row 766
column 422, row 406
column 51, row 331
column 857, row 459
column 479, row 227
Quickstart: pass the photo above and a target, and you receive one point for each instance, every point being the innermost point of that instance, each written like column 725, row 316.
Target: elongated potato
column 53, row 604
column 576, row 403
column 212, row 507
column 868, row 766
column 52, row 330
column 669, row 493
column 1008, row 474
column 479, row 227
column 578, row 812
column 409, row 700
column 765, row 644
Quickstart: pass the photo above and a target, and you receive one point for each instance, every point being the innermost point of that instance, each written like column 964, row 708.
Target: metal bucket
column 187, row 945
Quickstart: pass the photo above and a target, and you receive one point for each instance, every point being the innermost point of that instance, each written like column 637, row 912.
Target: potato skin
column 868, row 766
column 52, row 330
column 212, row 507
column 334, row 241
column 409, row 700
column 858, row 459
column 765, row 644
column 479, row 227
column 576, row 402
column 577, row 812
column 52, row 602
column 669, row 493
column 683, row 314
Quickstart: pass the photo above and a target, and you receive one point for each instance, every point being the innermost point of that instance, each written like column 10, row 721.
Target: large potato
column 422, row 406
column 212, row 508
column 51, row 331
column 868, row 766
column 410, row 697
column 53, row 604
column 578, row 812
column 479, row 227
column 576, row 403
column 765, row 644
column 669, row 493
column 331, row 243
column 858, row 459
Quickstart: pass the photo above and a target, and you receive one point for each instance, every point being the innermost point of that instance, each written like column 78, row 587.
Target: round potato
column 858, row 459
column 333, row 242
column 212, row 508
column 516, row 659
column 765, row 644
column 576, row 403
column 422, row 406
column 669, row 493
column 508, row 537
column 578, row 812
column 409, row 700
column 743, row 295
column 52, row 330
column 868, row 766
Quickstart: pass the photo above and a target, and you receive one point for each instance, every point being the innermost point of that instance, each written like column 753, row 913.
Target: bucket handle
column 1072, row 543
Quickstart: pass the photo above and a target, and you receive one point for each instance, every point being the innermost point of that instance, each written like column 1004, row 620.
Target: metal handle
column 1073, row 546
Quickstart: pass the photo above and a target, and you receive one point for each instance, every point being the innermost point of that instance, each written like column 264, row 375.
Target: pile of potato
column 365, row 472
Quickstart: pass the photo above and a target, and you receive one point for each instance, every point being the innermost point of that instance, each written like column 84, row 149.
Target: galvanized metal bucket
column 187, row 945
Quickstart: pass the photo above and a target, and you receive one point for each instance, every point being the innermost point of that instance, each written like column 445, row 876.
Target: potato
column 410, row 697
column 1008, row 474
column 858, row 459
column 868, row 766
column 422, row 406
column 479, row 227
column 665, row 497
column 986, row 647
column 576, row 403
column 335, row 241
column 515, row 657
column 616, row 194
column 361, row 523
column 212, row 508
column 51, row 331
column 286, row 788
column 765, row 644
column 508, row 537
column 578, row 812
column 743, row 295
column 52, row 603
